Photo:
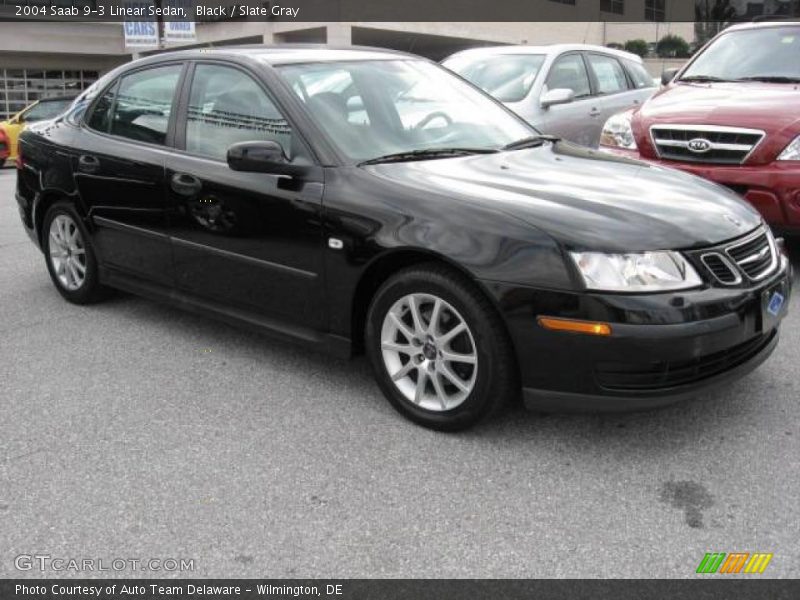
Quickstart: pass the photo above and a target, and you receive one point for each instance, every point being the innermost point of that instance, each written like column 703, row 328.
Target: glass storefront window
column 21, row 87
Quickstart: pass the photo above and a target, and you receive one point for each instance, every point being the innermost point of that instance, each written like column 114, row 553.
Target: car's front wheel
column 70, row 256
column 439, row 351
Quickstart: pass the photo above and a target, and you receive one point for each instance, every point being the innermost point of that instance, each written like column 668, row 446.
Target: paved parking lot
column 130, row 429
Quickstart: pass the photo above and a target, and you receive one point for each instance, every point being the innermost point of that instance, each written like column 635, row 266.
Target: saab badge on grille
column 699, row 145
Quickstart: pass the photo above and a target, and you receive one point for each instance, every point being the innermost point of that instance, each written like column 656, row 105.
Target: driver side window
column 227, row 106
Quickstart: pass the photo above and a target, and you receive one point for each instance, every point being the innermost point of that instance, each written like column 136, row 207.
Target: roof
column 763, row 25
column 292, row 53
column 547, row 49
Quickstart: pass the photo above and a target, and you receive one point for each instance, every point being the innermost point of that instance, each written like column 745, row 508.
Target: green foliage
column 672, row 46
column 638, row 46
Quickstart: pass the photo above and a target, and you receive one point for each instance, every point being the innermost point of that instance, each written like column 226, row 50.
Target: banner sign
column 141, row 29
column 181, row 30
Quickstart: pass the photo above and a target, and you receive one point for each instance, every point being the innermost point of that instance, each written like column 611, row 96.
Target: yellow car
column 41, row 110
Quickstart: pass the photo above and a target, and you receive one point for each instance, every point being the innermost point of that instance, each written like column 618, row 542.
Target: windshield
column 380, row 107
column 507, row 77
column 750, row 54
column 45, row 110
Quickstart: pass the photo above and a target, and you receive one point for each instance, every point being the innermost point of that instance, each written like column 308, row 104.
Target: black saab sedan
column 364, row 200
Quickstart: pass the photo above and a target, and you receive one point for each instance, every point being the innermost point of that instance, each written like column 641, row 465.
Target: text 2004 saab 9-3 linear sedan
column 361, row 199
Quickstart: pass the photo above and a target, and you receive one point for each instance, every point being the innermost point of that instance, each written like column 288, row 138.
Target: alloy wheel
column 67, row 252
column 429, row 352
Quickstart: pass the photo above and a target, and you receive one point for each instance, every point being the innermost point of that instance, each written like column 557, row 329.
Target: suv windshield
column 752, row 54
column 507, row 77
column 381, row 107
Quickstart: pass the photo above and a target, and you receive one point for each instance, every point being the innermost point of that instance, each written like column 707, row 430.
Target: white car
column 568, row 90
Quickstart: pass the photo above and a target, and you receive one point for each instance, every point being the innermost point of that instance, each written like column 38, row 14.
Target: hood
column 585, row 199
column 771, row 107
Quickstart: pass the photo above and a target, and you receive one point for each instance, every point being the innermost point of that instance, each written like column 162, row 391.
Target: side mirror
column 668, row 75
column 556, row 96
column 260, row 157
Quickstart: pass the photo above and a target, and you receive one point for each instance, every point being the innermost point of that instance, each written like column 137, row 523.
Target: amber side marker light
column 587, row 327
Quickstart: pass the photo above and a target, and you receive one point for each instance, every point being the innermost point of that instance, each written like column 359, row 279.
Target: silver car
column 564, row 90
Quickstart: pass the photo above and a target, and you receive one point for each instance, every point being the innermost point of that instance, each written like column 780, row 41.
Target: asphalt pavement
column 132, row 430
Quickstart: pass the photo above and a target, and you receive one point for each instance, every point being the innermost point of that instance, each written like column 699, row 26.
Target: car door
column 248, row 241
column 119, row 171
column 574, row 121
column 615, row 92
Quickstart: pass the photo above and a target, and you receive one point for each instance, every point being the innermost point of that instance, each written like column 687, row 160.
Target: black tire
column 90, row 290
column 496, row 380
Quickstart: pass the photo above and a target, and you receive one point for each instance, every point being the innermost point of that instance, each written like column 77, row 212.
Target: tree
column 711, row 17
column 614, row 45
column 639, row 47
column 672, row 46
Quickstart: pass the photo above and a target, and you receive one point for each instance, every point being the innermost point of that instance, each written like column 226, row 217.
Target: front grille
column 755, row 256
column 748, row 259
column 721, row 268
column 705, row 144
column 666, row 374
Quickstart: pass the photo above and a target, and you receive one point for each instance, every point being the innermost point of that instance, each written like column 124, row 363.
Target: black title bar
column 396, row 10
column 732, row 588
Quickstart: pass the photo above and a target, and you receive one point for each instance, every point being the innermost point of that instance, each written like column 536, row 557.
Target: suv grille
column 705, row 144
column 753, row 257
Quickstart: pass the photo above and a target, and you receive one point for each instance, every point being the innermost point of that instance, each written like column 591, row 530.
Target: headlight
column 617, row 132
column 645, row 272
column 792, row 151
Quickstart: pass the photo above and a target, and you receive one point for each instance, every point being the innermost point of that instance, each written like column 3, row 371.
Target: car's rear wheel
column 70, row 257
column 439, row 351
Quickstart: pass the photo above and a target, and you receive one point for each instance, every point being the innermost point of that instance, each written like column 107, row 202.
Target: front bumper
column 773, row 189
column 663, row 347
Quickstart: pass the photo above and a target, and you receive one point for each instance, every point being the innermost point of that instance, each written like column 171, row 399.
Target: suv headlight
column 792, row 151
column 642, row 272
column 617, row 132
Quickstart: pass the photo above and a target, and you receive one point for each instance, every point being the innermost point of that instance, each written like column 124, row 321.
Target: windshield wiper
column 531, row 142
column 771, row 79
column 425, row 154
column 703, row 79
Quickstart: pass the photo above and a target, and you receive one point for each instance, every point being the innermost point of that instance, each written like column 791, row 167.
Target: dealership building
column 39, row 59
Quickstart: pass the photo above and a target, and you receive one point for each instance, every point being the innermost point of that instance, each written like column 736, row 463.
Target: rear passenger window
column 140, row 106
column 569, row 72
column 227, row 106
column 609, row 74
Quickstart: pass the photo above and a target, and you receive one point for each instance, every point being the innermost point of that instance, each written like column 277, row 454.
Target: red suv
column 731, row 115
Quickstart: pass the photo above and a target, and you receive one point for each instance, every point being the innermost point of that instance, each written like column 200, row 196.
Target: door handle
column 594, row 112
column 185, row 185
column 88, row 163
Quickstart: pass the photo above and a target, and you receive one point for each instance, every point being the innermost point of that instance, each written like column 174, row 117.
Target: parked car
column 407, row 214
column 46, row 108
column 731, row 115
column 564, row 90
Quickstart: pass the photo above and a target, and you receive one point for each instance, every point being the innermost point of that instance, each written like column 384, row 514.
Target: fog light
column 587, row 327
